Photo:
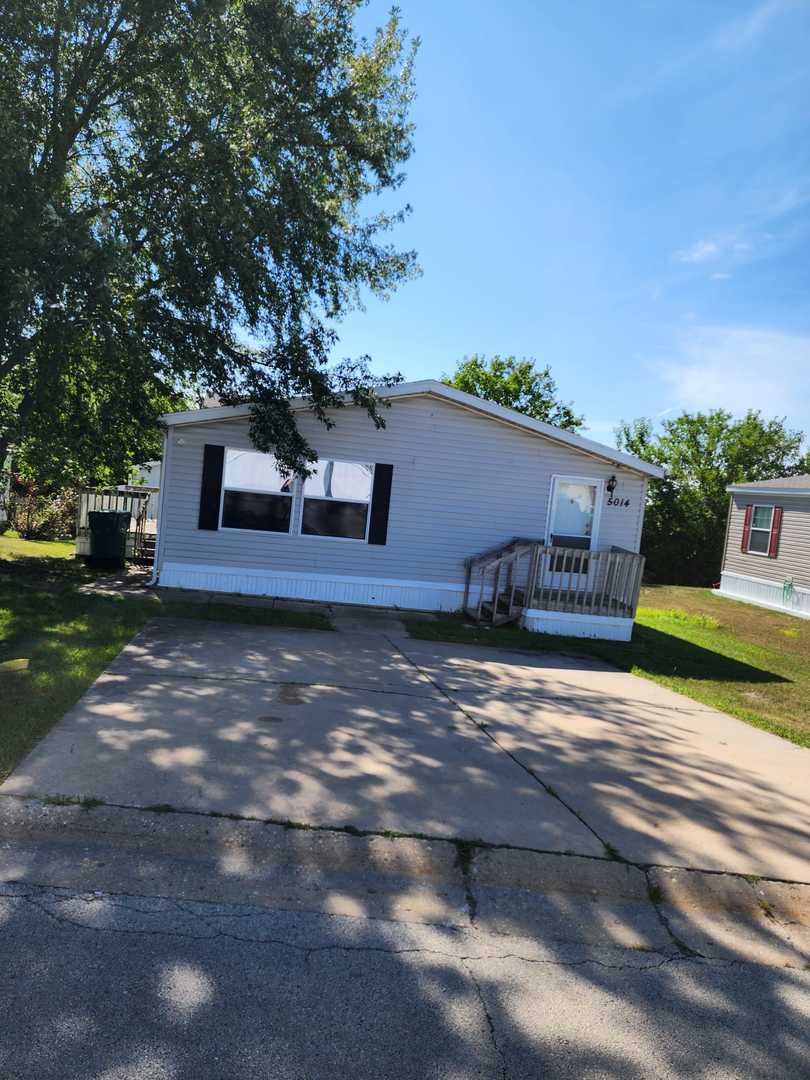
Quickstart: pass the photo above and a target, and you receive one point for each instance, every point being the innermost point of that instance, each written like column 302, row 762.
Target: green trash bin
column 108, row 537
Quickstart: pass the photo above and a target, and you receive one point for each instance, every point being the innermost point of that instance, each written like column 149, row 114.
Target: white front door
column 572, row 523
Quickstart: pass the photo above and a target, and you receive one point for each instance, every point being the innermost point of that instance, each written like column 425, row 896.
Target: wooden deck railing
column 528, row 574
column 141, row 502
column 587, row 582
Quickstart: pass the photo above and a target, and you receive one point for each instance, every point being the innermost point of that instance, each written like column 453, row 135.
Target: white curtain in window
column 249, row 470
column 575, row 508
column 347, row 480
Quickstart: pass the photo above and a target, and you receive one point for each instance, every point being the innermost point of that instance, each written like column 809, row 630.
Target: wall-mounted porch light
column 611, row 485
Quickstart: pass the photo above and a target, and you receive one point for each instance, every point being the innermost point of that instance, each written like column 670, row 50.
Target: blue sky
column 619, row 190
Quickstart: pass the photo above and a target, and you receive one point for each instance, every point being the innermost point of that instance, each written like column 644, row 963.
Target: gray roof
column 780, row 485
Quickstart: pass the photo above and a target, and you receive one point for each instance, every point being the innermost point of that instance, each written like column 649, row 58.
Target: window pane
column 340, row 480
column 251, row 471
column 762, row 517
column 246, row 510
column 323, row 517
column 570, row 541
column 759, row 541
column 573, row 514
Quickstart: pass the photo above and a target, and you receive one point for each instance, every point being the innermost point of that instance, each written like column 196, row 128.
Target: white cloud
column 699, row 252
column 745, row 30
column 720, row 277
column 729, row 38
column 722, row 246
column 741, row 368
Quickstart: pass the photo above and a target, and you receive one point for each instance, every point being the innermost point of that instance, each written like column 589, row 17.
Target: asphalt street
column 104, row 986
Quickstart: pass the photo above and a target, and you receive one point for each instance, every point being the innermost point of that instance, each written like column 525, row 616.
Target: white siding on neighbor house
column 462, row 483
column 793, row 558
column 770, row 594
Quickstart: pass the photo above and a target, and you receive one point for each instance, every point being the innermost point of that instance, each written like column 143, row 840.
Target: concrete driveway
column 378, row 732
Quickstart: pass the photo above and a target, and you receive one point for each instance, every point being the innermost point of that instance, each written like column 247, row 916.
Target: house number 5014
column 615, row 501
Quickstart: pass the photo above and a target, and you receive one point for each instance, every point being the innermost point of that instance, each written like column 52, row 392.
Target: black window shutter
column 380, row 499
column 213, row 458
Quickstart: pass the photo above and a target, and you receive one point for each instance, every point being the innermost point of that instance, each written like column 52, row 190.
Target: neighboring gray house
column 767, row 554
column 394, row 517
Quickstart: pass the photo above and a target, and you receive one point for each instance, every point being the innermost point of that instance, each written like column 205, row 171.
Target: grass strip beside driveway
column 55, row 641
column 746, row 661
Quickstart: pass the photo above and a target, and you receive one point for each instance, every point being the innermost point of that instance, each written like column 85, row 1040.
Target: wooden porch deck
column 528, row 575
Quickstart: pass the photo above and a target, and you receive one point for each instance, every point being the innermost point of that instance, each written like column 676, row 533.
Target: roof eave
column 738, row 489
column 433, row 388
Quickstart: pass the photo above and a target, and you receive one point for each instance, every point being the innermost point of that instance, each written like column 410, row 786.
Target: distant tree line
column 703, row 452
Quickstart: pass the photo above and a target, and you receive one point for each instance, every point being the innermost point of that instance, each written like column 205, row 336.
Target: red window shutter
column 776, row 528
column 749, row 510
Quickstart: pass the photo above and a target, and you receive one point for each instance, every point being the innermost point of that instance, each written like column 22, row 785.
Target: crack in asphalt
column 43, row 897
column 57, row 802
column 467, row 850
column 385, row 834
column 683, row 948
column 493, row 1038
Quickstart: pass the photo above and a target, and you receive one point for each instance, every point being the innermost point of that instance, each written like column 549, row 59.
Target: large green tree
column 517, row 384
column 684, row 526
column 185, row 204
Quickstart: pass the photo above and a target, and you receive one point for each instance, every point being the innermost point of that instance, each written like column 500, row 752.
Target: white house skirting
column 573, row 624
column 764, row 593
column 329, row 588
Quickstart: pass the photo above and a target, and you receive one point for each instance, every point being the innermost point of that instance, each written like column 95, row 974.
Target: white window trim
column 297, row 496
column 551, row 511
column 754, row 507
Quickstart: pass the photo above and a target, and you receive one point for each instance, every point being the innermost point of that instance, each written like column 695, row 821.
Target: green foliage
column 184, row 196
column 678, row 615
column 37, row 514
column 684, row 526
column 516, row 384
column 92, row 422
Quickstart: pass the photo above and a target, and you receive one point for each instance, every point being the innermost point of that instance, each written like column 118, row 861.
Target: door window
column 574, row 509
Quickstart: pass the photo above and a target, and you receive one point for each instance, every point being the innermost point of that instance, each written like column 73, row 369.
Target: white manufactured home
column 766, row 560
column 456, row 503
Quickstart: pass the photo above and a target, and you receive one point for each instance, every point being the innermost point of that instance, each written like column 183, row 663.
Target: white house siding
column 462, row 483
column 758, row 579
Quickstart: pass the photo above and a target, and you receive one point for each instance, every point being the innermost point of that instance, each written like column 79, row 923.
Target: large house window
column 759, row 540
column 255, row 494
column 336, row 500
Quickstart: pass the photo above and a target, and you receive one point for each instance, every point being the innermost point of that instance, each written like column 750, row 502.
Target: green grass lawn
column 747, row 661
column 55, row 641
column 11, row 547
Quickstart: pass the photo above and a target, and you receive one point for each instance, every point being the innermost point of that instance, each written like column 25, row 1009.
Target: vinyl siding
column 793, row 559
column 462, row 483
